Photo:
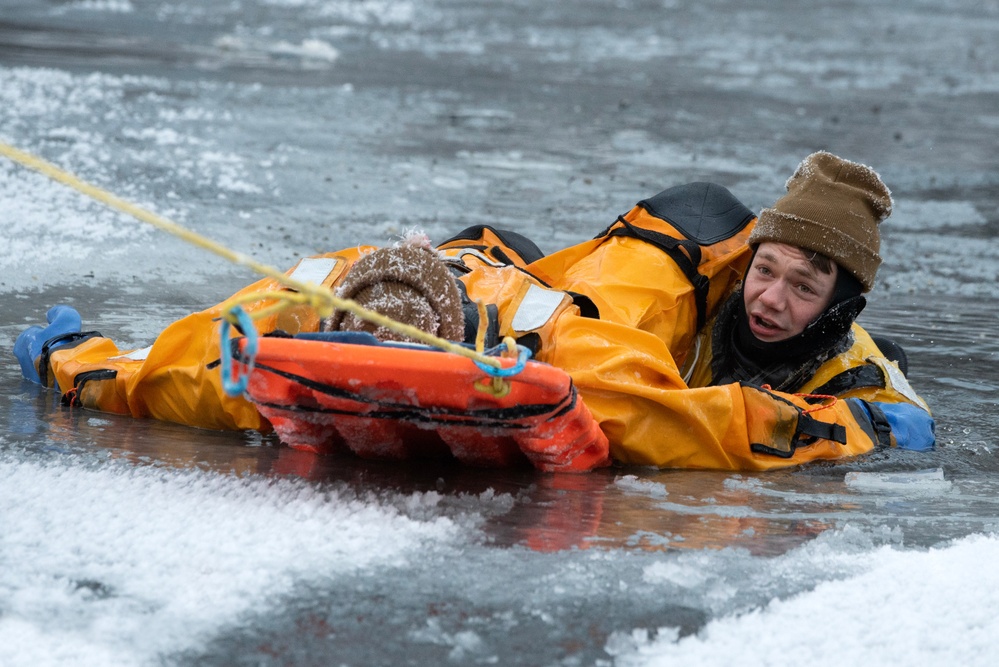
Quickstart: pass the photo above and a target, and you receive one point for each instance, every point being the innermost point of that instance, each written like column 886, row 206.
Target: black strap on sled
column 705, row 213
column 511, row 418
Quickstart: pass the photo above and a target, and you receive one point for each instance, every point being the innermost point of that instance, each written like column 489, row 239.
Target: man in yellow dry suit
column 685, row 357
column 779, row 374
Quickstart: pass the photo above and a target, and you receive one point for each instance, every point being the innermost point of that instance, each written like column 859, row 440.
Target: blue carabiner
column 237, row 386
column 523, row 354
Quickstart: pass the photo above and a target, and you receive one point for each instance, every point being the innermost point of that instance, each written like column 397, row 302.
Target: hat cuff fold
column 779, row 227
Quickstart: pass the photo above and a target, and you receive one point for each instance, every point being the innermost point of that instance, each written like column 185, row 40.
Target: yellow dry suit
column 176, row 379
column 621, row 314
column 626, row 315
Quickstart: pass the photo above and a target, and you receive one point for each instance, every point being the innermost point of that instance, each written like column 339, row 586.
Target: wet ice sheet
column 144, row 563
column 895, row 608
column 138, row 564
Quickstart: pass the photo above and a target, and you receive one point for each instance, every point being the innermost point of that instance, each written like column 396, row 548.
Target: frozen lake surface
column 288, row 127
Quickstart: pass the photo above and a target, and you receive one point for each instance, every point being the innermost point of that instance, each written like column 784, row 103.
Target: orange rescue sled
column 324, row 392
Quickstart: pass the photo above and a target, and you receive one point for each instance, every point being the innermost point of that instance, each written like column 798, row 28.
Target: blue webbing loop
column 237, row 386
column 523, row 354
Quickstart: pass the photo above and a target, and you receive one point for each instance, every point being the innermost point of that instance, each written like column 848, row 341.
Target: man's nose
column 775, row 295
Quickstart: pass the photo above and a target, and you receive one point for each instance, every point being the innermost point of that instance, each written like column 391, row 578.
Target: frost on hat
column 409, row 284
column 833, row 207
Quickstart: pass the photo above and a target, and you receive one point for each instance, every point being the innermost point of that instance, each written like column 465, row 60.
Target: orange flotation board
column 324, row 392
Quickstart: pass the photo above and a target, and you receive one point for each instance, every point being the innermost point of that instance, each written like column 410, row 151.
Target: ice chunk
column 919, row 481
column 632, row 484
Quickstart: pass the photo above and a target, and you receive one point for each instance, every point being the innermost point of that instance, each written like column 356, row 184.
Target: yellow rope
column 320, row 298
column 480, row 331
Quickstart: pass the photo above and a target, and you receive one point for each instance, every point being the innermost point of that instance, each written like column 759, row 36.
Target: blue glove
column 912, row 427
column 28, row 346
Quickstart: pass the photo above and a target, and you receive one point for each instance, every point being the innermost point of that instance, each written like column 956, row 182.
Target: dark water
column 286, row 127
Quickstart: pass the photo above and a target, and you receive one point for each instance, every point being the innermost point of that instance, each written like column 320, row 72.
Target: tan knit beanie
column 833, row 207
column 409, row 284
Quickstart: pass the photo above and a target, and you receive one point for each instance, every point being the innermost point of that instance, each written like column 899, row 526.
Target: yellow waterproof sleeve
column 175, row 379
column 632, row 387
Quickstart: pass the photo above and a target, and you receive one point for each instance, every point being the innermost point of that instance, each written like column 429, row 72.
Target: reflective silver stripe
column 896, row 380
column 313, row 269
column 536, row 308
column 135, row 355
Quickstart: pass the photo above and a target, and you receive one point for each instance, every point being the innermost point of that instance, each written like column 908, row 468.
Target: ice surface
column 918, row 481
column 902, row 608
column 634, row 484
column 122, row 564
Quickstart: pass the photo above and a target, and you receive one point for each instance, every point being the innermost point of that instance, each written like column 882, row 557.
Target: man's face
column 784, row 292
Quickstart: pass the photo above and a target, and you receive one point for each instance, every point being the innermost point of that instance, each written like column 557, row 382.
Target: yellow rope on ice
column 320, row 298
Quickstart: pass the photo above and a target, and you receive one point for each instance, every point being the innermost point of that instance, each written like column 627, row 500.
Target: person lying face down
column 778, row 375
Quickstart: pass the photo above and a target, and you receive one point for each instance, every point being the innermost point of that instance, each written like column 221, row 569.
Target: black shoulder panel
column 703, row 212
column 518, row 243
